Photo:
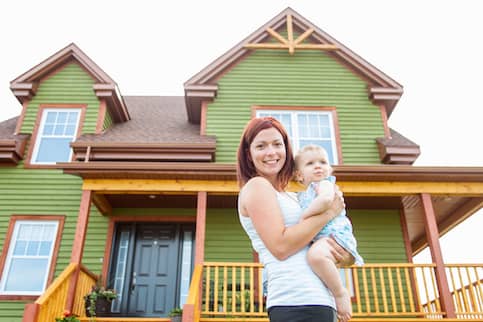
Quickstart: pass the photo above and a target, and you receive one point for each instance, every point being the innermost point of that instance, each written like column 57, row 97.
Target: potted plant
column 176, row 314
column 98, row 300
column 67, row 316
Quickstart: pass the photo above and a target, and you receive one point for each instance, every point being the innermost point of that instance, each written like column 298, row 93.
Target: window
column 58, row 128
column 29, row 257
column 307, row 127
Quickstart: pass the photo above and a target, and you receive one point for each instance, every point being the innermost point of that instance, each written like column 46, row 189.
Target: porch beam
column 350, row 188
column 200, row 227
column 102, row 204
column 432, row 234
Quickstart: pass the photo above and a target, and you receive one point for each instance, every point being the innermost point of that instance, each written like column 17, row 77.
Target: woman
column 270, row 216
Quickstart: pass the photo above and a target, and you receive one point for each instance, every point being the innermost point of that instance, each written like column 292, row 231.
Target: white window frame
column 40, row 135
column 10, row 256
column 294, row 137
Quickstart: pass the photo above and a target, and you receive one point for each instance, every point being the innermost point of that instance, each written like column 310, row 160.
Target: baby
column 314, row 172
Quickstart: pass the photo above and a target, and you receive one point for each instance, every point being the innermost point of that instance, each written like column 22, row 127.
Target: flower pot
column 177, row 318
column 103, row 307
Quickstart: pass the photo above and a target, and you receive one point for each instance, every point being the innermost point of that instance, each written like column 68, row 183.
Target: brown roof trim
column 25, row 86
column 382, row 88
column 200, row 170
column 12, row 151
column 174, row 152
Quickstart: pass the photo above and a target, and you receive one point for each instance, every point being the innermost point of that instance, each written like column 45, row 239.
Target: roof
column 203, row 86
column 157, row 131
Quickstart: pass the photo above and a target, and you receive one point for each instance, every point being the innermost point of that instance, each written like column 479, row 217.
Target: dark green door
column 150, row 258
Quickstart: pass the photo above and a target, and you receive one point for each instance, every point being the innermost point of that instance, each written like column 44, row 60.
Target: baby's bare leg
column 322, row 263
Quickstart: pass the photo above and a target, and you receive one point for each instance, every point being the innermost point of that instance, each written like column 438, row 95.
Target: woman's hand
column 342, row 257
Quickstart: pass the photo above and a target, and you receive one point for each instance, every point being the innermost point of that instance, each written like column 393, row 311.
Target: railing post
column 31, row 312
column 432, row 234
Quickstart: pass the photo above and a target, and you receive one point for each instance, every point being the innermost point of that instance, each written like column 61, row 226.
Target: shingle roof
column 7, row 129
column 154, row 119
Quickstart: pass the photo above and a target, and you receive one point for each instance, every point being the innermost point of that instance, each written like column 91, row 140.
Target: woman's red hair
column 245, row 168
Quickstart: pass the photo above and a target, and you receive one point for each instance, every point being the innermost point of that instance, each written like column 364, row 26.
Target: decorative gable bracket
column 115, row 103
column 24, row 91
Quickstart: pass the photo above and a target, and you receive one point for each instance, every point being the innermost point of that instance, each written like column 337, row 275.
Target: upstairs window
column 307, row 127
column 58, row 128
column 27, row 265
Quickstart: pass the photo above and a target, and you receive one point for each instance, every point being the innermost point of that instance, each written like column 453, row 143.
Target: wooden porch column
column 78, row 245
column 200, row 227
column 432, row 234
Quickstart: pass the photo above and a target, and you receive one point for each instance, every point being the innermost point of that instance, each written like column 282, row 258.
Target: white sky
column 432, row 47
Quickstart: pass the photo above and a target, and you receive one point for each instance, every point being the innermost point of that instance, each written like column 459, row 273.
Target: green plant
column 67, row 316
column 98, row 291
column 176, row 312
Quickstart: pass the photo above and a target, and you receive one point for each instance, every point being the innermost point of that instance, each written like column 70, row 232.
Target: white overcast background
column 432, row 47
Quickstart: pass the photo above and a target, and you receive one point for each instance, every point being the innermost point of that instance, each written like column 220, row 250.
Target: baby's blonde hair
column 307, row 148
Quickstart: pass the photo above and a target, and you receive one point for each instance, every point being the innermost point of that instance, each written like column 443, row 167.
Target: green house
column 139, row 193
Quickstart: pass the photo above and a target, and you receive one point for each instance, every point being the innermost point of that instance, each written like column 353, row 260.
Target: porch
column 233, row 292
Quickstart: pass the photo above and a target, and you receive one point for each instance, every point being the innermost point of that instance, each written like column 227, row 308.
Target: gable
column 301, row 35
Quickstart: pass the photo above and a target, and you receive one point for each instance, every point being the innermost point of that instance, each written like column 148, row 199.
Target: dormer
column 63, row 97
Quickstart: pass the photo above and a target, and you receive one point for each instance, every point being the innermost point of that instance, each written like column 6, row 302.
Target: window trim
column 330, row 109
column 36, row 131
column 53, row 260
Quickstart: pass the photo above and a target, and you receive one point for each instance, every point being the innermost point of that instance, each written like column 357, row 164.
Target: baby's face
column 313, row 166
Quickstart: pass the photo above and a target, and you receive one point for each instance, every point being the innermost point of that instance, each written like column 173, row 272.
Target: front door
column 150, row 265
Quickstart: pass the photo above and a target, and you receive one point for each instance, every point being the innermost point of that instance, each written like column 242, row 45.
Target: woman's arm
column 258, row 200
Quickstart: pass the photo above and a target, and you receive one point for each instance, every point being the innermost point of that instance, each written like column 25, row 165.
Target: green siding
column 226, row 241
column 49, row 191
column 309, row 78
column 379, row 235
column 71, row 85
column 107, row 121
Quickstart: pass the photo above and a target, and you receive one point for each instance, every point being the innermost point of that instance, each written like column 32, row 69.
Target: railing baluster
column 251, row 290
column 456, row 292
column 260, row 289
column 391, row 289
column 207, row 289
column 470, row 290
column 225, row 288
column 435, row 291
column 383, row 290
column 401, row 293
column 366, row 290
column 374, row 290
column 463, row 293
column 479, row 289
column 410, row 289
column 242, row 289
column 233, row 288
column 215, row 288
column 357, row 289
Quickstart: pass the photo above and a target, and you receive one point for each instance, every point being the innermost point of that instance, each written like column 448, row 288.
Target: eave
column 121, row 152
column 25, row 86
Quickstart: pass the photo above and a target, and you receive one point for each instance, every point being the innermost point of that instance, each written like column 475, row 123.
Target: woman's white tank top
column 292, row 281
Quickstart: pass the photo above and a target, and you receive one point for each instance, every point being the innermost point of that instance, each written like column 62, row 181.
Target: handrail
column 191, row 310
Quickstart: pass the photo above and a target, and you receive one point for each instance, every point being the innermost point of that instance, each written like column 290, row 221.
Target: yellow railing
column 53, row 302
column 234, row 290
column 466, row 285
